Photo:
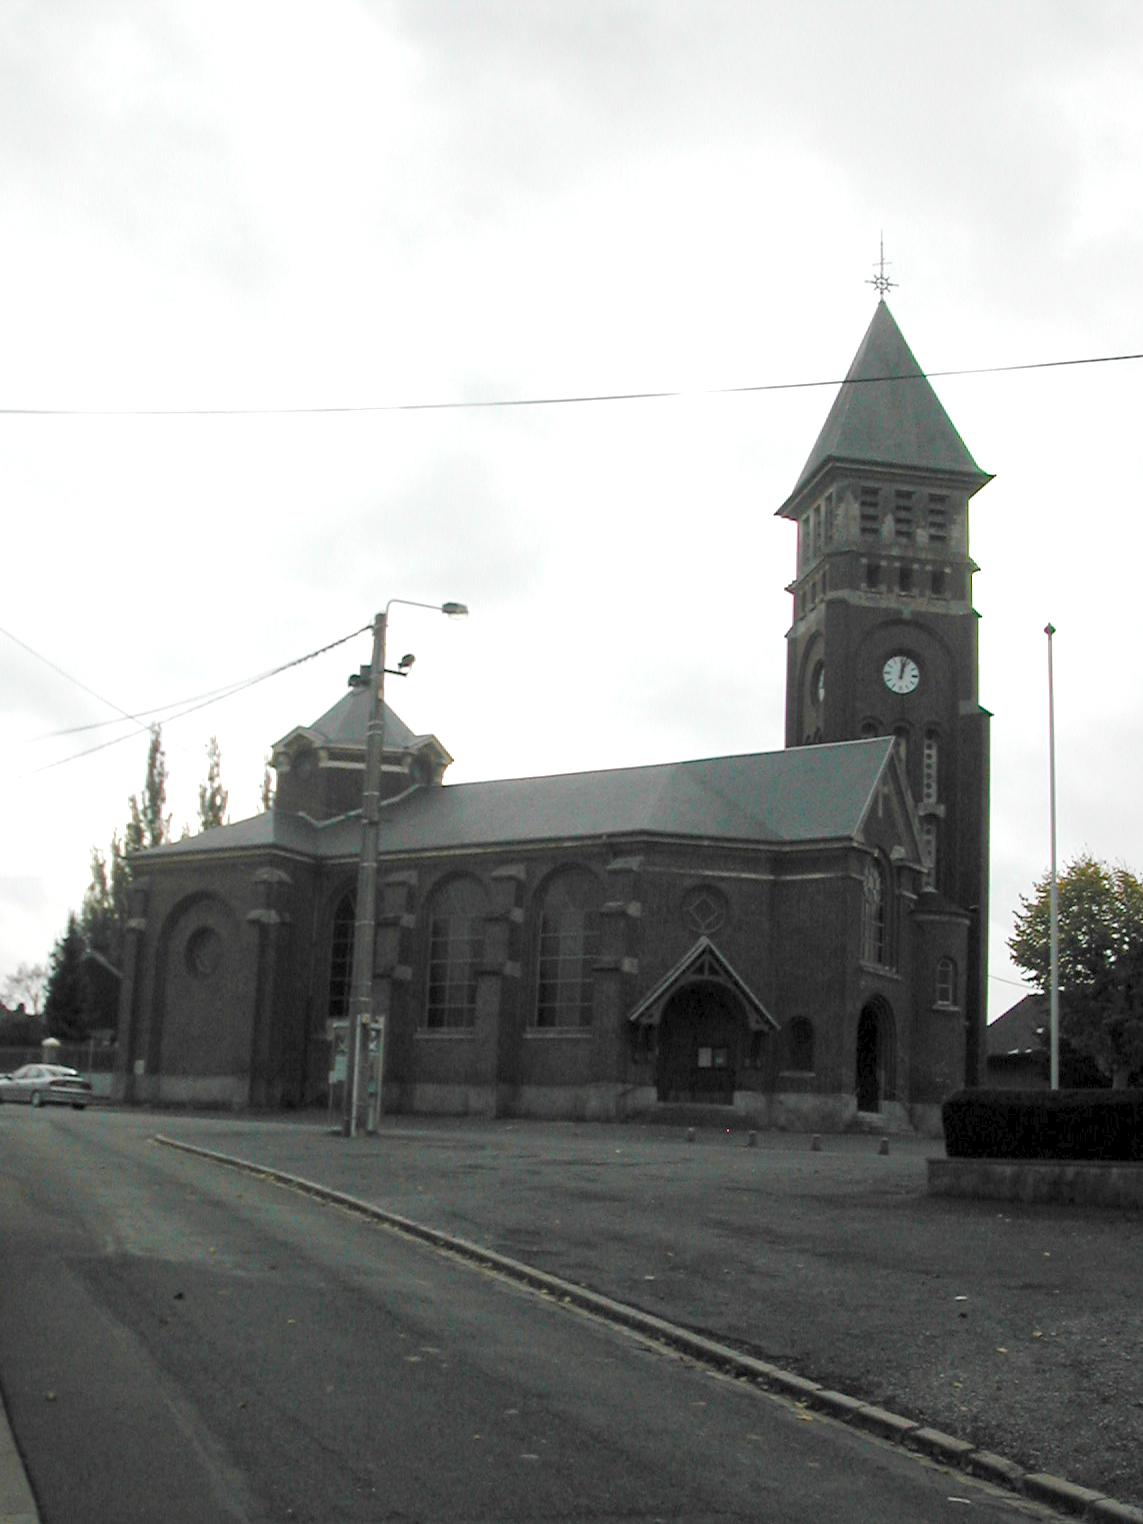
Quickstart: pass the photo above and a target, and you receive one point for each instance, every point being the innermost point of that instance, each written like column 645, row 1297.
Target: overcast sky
column 261, row 204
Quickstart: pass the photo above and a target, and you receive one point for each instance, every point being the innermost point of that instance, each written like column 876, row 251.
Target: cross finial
column 881, row 280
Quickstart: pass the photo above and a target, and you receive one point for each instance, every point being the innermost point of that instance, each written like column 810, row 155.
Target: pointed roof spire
column 880, row 419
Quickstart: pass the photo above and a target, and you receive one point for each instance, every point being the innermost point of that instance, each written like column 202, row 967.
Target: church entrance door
column 700, row 1045
column 875, row 1057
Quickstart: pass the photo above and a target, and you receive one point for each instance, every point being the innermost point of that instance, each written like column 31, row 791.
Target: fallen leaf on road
column 1000, row 1350
column 49, row 1396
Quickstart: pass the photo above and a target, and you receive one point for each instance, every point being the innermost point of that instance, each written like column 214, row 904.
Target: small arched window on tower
column 929, row 849
column 946, row 982
column 930, row 758
column 873, row 914
column 901, row 735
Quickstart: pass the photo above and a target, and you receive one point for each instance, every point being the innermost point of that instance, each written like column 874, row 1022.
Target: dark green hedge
column 1044, row 1124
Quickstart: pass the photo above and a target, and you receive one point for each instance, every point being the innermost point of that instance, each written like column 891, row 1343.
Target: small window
column 830, row 518
column 903, row 515
column 929, row 850
column 869, row 504
column 946, row 982
column 929, row 764
column 873, row 575
column 938, row 519
column 871, row 727
column 938, row 582
column 905, row 580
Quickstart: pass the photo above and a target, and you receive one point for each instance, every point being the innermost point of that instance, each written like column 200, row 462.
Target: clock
column 901, row 674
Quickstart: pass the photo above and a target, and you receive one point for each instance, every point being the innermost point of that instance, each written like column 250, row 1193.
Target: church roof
column 344, row 724
column 880, row 419
column 804, row 794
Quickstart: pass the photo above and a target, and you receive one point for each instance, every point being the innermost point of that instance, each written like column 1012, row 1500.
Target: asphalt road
column 182, row 1343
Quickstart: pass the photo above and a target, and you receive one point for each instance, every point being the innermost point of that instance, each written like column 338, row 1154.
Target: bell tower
column 884, row 635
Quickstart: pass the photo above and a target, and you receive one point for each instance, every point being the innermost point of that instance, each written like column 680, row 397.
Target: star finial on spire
column 881, row 280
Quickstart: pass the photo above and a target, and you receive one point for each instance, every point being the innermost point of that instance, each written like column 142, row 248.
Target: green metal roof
column 805, row 794
column 887, row 413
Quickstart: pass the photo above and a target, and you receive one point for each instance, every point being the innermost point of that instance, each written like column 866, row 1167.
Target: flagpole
column 1054, row 893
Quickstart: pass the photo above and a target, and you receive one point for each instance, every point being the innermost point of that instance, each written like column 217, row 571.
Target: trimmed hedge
column 1044, row 1124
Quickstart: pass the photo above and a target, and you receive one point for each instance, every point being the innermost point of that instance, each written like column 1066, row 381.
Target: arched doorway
column 875, row 1058
column 701, row 1036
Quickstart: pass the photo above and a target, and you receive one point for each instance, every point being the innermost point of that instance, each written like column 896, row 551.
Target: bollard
column 883, row 1147
column 752, row 1140
column 690, row 1134
column 816, row 1143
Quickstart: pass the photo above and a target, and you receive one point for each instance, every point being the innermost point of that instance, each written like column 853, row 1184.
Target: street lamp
column 361, row 996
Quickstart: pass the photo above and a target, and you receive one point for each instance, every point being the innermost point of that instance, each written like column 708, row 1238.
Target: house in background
column 794, row 936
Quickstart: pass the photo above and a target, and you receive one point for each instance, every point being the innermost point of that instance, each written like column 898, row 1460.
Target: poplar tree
column 212, row 797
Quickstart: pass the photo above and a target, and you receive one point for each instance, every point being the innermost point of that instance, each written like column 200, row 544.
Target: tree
column 147, row 826
column 65, row 1003
column 267, row 788
column 1101, row 959
column 212, row 797
column 26, row 987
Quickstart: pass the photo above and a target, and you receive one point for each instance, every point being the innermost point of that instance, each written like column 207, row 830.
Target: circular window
column 204, row 952
column 704, row 910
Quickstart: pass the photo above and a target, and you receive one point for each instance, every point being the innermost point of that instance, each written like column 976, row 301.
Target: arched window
column 946, row 982
column 901, row 735
column 341, row 958
column 873, row 914
column 456, row 946
column 799, row 1035
column 567, row 945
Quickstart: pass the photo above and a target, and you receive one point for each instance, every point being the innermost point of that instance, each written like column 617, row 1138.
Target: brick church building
column 798, row 937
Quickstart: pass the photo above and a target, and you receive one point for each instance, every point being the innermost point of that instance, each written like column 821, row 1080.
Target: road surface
column 180, row 1342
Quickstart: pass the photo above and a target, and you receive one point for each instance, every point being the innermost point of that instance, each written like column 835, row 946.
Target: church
column 798, row 938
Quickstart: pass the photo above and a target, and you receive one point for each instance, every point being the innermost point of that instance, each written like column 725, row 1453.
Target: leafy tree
column 267, row 788
column 212, row 797
column 26, row 987
column 65, row 1003
column 147, row 826
column 1101, row 959
column 97, row 913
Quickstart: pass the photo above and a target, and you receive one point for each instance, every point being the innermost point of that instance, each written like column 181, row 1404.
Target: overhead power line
column 203, row 701
column 557, row 401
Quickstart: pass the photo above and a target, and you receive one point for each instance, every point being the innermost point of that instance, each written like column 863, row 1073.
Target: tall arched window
column 929, row 849
column 456, row 946
column 873, row 914
column 341, row 958
column 567, row 945
column 946, row 982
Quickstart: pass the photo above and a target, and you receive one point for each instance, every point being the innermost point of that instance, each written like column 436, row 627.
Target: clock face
column 901, row 674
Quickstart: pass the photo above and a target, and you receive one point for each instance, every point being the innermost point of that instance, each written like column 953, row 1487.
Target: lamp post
column 365, row 928
column 1053, row 892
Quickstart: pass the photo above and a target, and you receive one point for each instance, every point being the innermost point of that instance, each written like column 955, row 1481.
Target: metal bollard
column 690, row 1134
column 752, row 1140
column 883, row 1148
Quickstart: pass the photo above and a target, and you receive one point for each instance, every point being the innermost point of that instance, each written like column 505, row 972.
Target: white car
column 46, row 1085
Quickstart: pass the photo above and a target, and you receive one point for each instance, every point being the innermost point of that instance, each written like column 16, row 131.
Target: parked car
column 46, row 1085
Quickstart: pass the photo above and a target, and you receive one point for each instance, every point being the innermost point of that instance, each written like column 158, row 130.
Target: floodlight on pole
column 365, row 928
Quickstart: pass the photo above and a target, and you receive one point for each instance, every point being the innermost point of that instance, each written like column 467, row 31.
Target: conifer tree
column 65, row 1004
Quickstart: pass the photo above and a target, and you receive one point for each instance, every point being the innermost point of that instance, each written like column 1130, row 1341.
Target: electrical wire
column 562, row 401
column 24, row 646
column 214, row 698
